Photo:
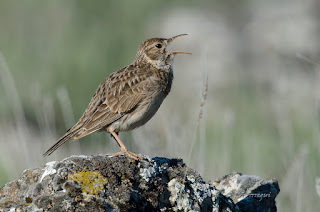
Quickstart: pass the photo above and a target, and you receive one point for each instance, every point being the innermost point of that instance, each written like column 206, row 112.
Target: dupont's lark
column 129, row 97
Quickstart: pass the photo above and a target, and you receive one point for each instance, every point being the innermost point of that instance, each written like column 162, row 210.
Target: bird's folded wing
column 119, row 94
column 128, row 89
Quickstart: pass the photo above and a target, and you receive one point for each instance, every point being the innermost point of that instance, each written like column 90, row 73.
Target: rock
column 102, row 183
column 249, row 192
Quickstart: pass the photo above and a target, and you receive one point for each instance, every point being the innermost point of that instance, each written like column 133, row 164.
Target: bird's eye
column 158, row 45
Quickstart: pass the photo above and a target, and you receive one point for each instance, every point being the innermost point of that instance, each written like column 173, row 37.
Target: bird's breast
column 165, row 80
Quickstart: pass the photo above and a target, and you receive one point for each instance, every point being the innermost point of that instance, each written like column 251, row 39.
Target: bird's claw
column 131, row 155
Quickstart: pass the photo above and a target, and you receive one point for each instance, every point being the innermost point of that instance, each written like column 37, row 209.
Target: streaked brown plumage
column 129, row 97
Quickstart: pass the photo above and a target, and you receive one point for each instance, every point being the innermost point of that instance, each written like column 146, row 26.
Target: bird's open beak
column 175, row 37
column 179, row 52
column 172, row 39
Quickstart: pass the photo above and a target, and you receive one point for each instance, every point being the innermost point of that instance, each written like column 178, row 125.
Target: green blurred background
column 262, row 59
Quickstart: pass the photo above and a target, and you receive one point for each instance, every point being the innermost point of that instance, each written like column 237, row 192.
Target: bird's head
column 154, row 51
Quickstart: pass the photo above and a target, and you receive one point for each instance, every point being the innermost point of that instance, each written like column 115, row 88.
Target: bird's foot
column 132, row 155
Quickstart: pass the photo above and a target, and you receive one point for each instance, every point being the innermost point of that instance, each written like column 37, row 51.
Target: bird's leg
column 123, row 148
column 121, row 145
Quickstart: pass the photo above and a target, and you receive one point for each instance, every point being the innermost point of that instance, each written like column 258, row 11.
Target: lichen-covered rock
column 102, row 183
column 249, row 192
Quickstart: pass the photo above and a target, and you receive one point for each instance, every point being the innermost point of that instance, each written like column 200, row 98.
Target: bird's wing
column 117, row 95
column 126, row 89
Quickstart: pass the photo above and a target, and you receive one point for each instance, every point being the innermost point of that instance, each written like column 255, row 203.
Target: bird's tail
column 61, row 141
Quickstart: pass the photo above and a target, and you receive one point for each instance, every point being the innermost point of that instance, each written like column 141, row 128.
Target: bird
column 129, row 97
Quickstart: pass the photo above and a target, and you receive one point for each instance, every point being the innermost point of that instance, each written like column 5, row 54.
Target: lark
column 129, row 97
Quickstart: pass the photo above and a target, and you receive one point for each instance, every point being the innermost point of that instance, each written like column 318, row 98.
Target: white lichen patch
column 188, row 195
column 232, row 186
column 178, row 196
column 67, row 204
column 147, row 173
column 201, row 191
column 247, row 184
column 238, row 186
column 48, row 170
column 191, row 178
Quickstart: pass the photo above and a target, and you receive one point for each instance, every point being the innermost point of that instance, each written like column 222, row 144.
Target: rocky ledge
column 102, row 183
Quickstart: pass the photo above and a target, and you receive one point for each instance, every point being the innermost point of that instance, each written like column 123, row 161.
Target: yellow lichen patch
column 90, row 181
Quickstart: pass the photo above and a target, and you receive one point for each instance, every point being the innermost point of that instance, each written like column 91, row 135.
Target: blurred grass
column 261, row 114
